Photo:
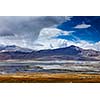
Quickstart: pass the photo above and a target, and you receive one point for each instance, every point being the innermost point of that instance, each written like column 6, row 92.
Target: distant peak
column 75, row 47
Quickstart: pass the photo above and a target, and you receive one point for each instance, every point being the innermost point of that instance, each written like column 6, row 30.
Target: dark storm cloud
column 25, row 28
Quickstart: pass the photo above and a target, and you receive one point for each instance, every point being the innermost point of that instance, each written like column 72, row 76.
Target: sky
column 50, row 32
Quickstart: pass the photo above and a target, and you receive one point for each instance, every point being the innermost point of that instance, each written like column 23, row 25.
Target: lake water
column 50, row 66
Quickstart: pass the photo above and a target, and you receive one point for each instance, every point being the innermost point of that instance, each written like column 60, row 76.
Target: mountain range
column 68, row 53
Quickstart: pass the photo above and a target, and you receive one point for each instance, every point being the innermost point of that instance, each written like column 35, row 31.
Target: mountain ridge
column 67, row 53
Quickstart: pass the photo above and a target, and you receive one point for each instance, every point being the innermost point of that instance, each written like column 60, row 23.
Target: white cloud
column 47, row 39
column 50, row 44
column 68, row 18
column 52, row 32
column 85, row 45
column 24, row 30
column 38, row 32
column 81, row 26
column 97, row 46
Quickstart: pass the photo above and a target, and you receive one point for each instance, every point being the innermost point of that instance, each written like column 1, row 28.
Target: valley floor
column 50, row 78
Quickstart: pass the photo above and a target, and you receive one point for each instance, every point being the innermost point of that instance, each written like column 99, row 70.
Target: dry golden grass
column 49, row 78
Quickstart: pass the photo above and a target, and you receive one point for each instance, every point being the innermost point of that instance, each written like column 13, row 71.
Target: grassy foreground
column 49, row 78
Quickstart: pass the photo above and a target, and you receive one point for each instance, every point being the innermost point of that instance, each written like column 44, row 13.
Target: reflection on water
column 50, row 66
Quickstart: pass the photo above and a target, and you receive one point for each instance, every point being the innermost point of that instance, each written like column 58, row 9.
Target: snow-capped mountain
column 13, row 48
column 66, row 53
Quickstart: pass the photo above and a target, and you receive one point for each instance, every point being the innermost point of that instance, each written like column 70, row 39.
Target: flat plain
column 50, row 78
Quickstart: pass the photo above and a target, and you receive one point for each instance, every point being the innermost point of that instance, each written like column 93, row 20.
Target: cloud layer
column 82, row 26
column 40, row 32
column 23, row 31
column 48, row 39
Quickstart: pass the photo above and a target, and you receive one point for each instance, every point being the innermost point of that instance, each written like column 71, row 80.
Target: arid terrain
column 49, row 71
column 49, row 78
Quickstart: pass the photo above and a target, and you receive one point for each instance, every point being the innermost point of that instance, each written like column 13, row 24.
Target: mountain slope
column 67, row 53
column 13, row 48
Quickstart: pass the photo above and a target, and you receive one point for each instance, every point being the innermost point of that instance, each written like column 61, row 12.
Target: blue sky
column 84, row 27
